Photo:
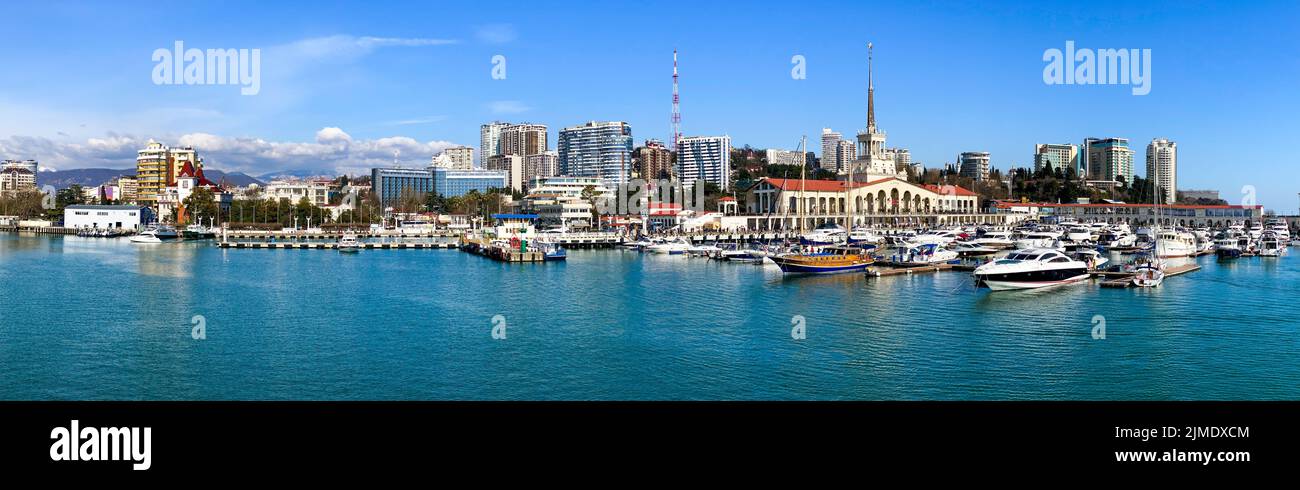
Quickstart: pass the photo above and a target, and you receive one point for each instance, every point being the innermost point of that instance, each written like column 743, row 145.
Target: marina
column 618, row 324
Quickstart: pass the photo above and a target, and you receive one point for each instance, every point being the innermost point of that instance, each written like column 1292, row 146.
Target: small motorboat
column 551, row 251
column 1149, row 273
column 146, row 236
column 349, row 244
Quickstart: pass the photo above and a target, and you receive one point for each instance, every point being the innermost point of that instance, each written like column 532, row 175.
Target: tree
column 590, row 195
column 200, row 204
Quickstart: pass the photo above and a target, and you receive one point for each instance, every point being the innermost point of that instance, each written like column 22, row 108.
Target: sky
column 345, row 84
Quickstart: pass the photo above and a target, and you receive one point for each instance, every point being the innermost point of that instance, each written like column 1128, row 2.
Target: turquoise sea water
column 85, row 318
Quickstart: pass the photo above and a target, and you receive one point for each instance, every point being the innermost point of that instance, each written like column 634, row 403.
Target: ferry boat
column 830, row 260
column 349, row 243
column 1172, row 244
column 1030, row 269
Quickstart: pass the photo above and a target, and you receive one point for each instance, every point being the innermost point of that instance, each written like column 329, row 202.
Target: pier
column 335, row 246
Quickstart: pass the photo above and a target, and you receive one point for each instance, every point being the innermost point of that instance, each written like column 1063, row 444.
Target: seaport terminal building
column 1216, row 216
column 776, row 204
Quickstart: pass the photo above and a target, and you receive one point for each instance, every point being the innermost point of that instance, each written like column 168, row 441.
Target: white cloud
column 495, row 33
column 507, row 107
column 334, row 151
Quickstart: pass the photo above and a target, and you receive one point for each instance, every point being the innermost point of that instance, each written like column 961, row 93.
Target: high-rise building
column 511, row 165
column 388, row 184
column 654, row 161
column 127, row 189
column 1162, row 168
column 490, row 140
column 456, row 157
column 156, row 168
column 845, row 154
column 784, row 157
column 455, row 183
column 830, row 147
column 1109, row 159
column 1058, row 156
column 523, row 139
column 706, row 158
column 974, row 165
column 17, row 175
column 597, row 149
column 540, row 166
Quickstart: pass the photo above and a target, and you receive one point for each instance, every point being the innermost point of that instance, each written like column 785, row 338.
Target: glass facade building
column 454, row 183
column 388, row 183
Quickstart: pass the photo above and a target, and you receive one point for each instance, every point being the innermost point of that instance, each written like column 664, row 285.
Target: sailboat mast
column 803, row 181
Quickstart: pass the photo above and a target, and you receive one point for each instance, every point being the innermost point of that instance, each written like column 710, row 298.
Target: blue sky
column 344, row 84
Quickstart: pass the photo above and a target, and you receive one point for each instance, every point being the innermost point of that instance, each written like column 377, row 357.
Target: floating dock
column 891, row 269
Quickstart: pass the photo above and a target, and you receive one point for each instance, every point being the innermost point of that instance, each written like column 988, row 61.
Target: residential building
column 784, row 157
column 157, row 166
column 119, row 217
column 706, row 158
column 523, row 139
column 456, row 157
column 513, row 167
column 1162, row 168
column 1059, row 156
column 454, row 183
column 127, row 189
column 597, row 149
column 654, row 161
column 830, row 149
column 845, row 154
column 1109, row 159
column 490, row 140
column 974, row 165
column 389, row 183
column 541, row 165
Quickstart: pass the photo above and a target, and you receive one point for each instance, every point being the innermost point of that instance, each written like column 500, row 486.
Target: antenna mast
column 677, row 108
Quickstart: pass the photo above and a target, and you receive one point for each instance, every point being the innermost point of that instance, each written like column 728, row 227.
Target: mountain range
column 95, row 176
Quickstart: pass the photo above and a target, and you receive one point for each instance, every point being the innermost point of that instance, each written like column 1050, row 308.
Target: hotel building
column 597, row 149
column 490, row 140
column 456, row 157
column 541, row 165
column 17, row 175
column 317, row 192
column 1162, row 168
column 455, row 183
column 1059, row 156
column 1109, row 159
column 706, row 158
column 388, row 183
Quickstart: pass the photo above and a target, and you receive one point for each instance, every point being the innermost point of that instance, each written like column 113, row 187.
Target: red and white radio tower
column 677, row 108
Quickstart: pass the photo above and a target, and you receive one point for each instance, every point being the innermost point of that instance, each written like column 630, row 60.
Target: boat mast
column 803, row 181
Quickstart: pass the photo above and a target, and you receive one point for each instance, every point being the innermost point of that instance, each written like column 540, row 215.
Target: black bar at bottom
column 418, row 437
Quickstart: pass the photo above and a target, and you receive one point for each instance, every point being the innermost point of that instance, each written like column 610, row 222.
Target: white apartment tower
column 706, row 158
column 1162, row 167
column 830, row 145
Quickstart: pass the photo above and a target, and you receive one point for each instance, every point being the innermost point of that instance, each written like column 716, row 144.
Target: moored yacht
column 824, row 234
column 1172, row 244
column 830, row 260
column 1030, row 269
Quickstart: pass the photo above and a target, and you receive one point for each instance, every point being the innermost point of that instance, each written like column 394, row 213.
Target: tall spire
column 871, row 95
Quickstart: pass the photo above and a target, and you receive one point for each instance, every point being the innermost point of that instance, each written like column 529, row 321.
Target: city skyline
column 395, row 84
